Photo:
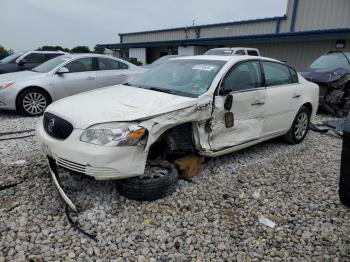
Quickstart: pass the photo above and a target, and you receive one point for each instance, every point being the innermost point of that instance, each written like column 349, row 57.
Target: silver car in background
column 30, row 92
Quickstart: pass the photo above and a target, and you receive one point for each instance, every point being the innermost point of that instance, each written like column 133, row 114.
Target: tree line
column 78, row 49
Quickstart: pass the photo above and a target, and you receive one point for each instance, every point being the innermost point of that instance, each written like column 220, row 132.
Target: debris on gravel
column 216, row 217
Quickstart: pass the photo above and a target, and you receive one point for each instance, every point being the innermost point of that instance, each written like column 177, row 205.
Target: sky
column 29, row 24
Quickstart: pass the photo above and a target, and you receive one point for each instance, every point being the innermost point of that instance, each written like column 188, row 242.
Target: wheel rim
column 301, row 125
column 154, row 172
column 34, row 103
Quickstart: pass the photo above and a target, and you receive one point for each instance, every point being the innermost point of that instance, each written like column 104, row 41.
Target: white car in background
column 233, row 51
column 30, row 92
column 205, row 105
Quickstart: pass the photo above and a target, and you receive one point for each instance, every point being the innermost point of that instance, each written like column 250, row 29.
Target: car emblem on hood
column 51, row 125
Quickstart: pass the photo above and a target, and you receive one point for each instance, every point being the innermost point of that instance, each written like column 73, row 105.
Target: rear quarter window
column 276, row 74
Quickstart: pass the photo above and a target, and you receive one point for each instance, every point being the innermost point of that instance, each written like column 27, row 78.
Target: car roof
column 232, row 48
column 227, row 58
column 48, row 52
column 88, row 55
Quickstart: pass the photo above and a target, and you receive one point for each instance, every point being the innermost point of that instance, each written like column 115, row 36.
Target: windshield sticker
column 203, row 67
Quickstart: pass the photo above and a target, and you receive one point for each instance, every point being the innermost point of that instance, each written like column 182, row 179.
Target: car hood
column 324, row 75
column 118, row 103
column 19, row 76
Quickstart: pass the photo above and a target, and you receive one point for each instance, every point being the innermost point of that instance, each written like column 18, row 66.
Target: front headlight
column 115, row 134
column 7, row 84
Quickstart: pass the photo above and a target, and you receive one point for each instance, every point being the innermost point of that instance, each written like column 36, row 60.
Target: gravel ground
column 213, row 218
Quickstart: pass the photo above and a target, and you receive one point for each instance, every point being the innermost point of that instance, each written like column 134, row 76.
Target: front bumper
column 8, row 98
column 99, row 162
column 56, row 180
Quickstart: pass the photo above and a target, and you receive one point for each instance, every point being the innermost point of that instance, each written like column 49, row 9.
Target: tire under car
column 344, row 181
column 160, row 180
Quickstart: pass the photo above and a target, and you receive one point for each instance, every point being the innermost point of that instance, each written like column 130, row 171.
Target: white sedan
column 207, row 105
column 30, row 92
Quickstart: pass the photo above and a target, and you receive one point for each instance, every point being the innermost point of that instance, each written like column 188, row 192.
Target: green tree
column 99, row 50
column 53, row 48
column 4, row 52
column 80, row 49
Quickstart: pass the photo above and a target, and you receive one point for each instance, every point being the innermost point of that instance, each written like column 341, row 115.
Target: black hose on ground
column 14, row 133
column 14, row 138
column 76, row 225
column 3, row 187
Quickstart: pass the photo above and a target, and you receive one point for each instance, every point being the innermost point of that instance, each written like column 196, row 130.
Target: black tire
column 40, row 97
column 344, row 197
column 292, row 137
column 160, row 180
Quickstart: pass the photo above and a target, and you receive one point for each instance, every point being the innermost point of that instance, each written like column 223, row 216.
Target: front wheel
column 300, row 127
column 159, row 180
column 32, row 102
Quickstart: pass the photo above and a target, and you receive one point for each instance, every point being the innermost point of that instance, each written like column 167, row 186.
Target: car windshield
column 50, row 64
column 185, row 77
column 331, row 61
column 10, row 58
column 219, row 52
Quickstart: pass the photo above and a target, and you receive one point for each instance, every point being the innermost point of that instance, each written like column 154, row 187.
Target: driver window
column 245, row 76
column 80, row 65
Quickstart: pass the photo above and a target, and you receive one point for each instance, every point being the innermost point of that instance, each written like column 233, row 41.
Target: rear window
column 295, row 78
column 253, row 53
column 276, row 74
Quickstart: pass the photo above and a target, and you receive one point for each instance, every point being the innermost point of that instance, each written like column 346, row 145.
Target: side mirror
column 228, row 102
column 22, row 62
column 62, row 70
column 224, row 91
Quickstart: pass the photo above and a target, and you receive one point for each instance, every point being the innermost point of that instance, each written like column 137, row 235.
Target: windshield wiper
column 162, row 90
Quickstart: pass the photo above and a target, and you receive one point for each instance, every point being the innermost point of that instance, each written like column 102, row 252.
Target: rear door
column 111, row 72
column 81, row 78
column 283, row 92
column 244, row 83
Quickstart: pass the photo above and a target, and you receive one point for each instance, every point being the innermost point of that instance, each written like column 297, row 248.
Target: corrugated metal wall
column 139, row 53
column 322, row 14
column 311, row 15
column 159, row 36
column 241, row 29
column 297, row 54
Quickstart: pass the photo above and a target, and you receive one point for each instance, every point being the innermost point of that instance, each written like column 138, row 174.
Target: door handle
column 122, row 75
column 296, row 96
column 257, row 103
column 90, row 78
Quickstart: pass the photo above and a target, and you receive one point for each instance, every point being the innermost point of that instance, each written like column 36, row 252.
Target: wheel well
column 173, row 143
column 33, row 87
column 308, row 106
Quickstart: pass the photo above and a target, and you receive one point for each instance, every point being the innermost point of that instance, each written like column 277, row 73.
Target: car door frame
column 54, row 72
column 292, row 95
column 120, row 73
column 216, row 95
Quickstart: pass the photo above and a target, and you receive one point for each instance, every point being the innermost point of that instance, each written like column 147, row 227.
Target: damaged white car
column 205, row 105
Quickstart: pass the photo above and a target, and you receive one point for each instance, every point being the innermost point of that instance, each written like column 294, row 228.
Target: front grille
column 57, row 127
column 85, row 169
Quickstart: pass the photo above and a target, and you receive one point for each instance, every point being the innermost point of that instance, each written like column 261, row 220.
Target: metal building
column 309, row 29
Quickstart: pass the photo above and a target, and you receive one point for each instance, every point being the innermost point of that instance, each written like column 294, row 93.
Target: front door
column 80, row 78
column 245, row 84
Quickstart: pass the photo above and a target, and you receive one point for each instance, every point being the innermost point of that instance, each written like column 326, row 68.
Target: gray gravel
column 214, row 218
